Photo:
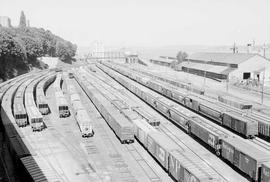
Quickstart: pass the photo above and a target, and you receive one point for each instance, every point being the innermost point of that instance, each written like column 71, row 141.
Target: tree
column 22, row 20
column 181, row 56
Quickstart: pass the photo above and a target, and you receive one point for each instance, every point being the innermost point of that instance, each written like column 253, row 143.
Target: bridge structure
column 107, row 55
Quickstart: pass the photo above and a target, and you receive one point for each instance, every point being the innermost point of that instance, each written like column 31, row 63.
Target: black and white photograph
column 135, row 90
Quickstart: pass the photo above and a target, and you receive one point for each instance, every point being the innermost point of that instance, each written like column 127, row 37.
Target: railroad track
column 120, row 95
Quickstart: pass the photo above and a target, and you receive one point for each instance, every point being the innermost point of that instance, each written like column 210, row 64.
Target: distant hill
column 21, row 46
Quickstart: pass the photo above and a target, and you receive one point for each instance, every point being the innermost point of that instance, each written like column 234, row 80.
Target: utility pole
column 263, row 85
column 204, row 77
column 234, row 48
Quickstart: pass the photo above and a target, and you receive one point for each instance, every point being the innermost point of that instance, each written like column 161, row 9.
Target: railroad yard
column 108, row 121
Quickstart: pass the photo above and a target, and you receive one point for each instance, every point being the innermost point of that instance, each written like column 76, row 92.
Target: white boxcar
column 84, row 123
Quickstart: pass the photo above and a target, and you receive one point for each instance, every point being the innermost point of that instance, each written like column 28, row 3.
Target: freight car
column 57, row 82
column 41, row 101
column 122, row 128
column 241, row 125
column 248, row 161
column 181, row 165
column 81, row 116
column 19, row 113
column 234, row 101
column 62, row 104
column 84, row 123
column 34, row 116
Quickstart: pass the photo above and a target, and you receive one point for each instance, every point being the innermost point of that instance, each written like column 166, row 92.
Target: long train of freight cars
column 241, row 153
column 31, row 167
column 214, row 109
column 233, row 101
column 122, row 128
column 35, row 118
column 227, row 117
column 83, row 120
column 61, row 102
column 19, row 110
column 177, row 83
column 41, row 101
column 171, row 156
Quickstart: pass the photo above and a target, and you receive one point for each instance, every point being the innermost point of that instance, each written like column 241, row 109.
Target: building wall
column 254, row 65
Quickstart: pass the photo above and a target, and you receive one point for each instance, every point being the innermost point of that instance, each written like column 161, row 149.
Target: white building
column 5, row 21
column 237, row 67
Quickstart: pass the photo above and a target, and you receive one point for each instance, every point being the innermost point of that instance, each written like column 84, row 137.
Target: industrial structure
column 238, row 66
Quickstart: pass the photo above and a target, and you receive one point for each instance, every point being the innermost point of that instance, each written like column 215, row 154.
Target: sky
column 147, row 22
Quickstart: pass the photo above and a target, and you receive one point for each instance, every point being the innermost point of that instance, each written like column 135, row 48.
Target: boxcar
column 163, row 105
column 184, row 170
column 240, row 124
column 159, row 145
column 35, row 118
column 192, row 102
column 20, row 113
column 246, row 158
column 205, row 132
column 235, row 102
column 84, row 123
column 265, row 172
column 178, row 96
column 180, row 116
column 211, row 110
column 141, row 130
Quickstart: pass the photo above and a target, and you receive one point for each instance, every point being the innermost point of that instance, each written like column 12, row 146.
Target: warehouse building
column 163, row 61
column 236, row 67
column 131, row 58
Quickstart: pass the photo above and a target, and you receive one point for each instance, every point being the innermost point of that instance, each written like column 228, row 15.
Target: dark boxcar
column 240, row 124
column 244, row 156
column 205, row 132
column 211, row 110
column 264, row 128
column 182, row 169
column 180, row 116
column 265, row 172
column 235, row 102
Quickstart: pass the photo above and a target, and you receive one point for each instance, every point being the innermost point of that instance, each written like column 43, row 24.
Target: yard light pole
column 263, row 85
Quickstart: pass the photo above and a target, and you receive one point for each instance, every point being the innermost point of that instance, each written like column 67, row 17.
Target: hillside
column 21, row 46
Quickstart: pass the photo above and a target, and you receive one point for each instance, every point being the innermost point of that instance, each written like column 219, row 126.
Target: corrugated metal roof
column 229, row 58
column 207, row 67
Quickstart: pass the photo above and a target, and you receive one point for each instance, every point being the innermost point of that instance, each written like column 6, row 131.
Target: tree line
column 22, row 45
